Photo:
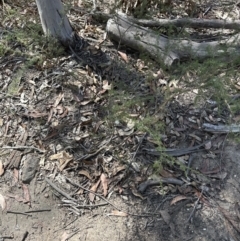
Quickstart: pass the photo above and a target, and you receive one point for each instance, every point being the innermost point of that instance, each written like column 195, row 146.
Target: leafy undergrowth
column 139, row 121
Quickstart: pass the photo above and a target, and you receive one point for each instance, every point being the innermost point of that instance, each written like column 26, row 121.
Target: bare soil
column 154, row 218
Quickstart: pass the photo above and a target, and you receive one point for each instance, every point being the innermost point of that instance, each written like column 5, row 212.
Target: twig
column 94, row 153
column 39, row 211
column 88, row 190
column 177, row 152
column 6, row 237
column 100, row 196
column 71, row 235
column 23, row 147
column 88, row 206
column 25, row 236
column 194, row 208
column 189, row 166
column 67, row 224
column 182, row 22
column 59, row 190
column 133, row 158
column 139, row 144
column 31, row 211
column 168, row 180
column 22, row 213
column 221, row 128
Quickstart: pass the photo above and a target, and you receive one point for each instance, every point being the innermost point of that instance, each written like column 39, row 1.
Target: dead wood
column 179, row 23
column 169, row 51
column 189, row 23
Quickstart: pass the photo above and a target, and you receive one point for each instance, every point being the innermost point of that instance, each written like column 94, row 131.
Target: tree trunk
column 54, row 21
column 56, row 24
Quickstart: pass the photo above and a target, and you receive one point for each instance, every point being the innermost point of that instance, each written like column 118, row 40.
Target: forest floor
column 129, row 156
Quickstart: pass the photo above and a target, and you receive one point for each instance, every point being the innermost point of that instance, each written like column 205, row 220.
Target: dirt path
column 47, row 219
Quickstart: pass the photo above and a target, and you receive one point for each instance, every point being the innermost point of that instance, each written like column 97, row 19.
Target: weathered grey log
column 169, row 51
column 189, row 23
column 141, row 39
column 181, row 22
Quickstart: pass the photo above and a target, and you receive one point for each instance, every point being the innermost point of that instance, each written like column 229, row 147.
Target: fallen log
column 178, row 23
column 165, row 50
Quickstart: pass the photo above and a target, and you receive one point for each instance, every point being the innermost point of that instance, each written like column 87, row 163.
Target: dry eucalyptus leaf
column 85, row 173
column 2, row 202
column 63, row 157
column 104, row 182
column 93, row 189
column 1, row 168
column 118, row 213
column 177, row 199
column 123, row 56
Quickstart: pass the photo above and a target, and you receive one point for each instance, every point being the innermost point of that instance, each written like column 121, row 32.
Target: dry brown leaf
column 15, row 175
column 3, row 202
column 118, row 169
column 35, row 114
column 85, row 173
column 85, row 102
column 1, row 168
column 106, row 85
column 165, row 215
column 208, row 145
column 202, row 198
column 65, row 236
column 58, row 100
column 104, row 182
column 125, row 132
column 26, row 193
column 219, row 175
column 136, row 193
column 50, row 115
column 1, row 122
column 123, row 56
column 98, row 124
column 85, row 120
column 177, row 199
column 63, row 157
column 167, row 219
column 165, row 173
column 195, row 137
column 93, row 189
column 60, row 109
column 118, row 213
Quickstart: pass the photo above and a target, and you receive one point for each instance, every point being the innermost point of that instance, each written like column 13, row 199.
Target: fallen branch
column 59, row 190
column 221, row 128
column 181, row 22
column 144, row 185
column 23, row 148
column 169, row 51
column 176, row 152
column 189, row 23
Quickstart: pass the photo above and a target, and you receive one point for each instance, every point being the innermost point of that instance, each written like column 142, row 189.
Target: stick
column 59, row 190
column 23, row 147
